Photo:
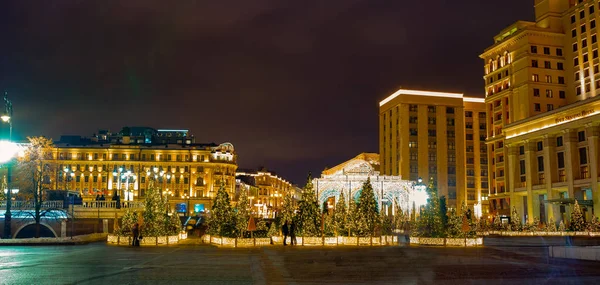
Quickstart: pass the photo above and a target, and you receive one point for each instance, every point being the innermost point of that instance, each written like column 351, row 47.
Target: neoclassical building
column 542, row 79
column 188, row 173
column 349, row 177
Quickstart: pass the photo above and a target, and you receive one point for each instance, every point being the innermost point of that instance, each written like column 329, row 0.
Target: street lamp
column 128, row 194
column 8, row 150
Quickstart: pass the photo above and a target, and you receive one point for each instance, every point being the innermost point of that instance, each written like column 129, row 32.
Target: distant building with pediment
column 349, row 177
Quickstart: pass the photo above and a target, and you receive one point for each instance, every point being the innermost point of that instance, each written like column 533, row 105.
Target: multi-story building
column 189, row 174
column 541, row 79
column 434, row 134
column 270, row 191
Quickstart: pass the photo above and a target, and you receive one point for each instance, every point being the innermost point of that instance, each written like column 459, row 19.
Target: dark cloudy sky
column 294, row 85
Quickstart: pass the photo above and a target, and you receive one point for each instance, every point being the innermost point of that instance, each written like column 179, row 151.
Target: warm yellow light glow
column 474, row 100
column 5, row 118
column 590, row 113
column 420, row 93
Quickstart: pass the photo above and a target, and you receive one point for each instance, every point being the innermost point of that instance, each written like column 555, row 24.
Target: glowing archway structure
column 350, row 176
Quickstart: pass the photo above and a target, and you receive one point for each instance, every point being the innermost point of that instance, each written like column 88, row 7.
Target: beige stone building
column 435, row 134
column 189, row 174
column 271, row 189
column 541, row 79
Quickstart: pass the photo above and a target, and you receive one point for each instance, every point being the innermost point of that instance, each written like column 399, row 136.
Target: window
column 468, row 114
column 431, row 109
column 591, row 9
column 578, row 90
column 549, row 93
column 537, row 107
column 586, row 73
column 594, row 39
column 547, row 50
column 559, row 141
column 547, row 65
column 583, row 155
column 559, row 66
column 595, row 54
column 575, row 61
column 560, row 158
column 412, row 108
column 587, row 87
column 533, row 49
column 584, row 43
column 521, row 150
column 540, row 146
column 469, row 137
column 581, row 136
column 413, row 119
column 585, row 58
column 572, row 19
column 574, row 47
column 561, row 94
column 522, row 167
column 561, row 80
column 412, row 144
column 559, row 52
column 413, row 132
column 583, row 28
column 540, row 160
column 449, row 110
column 536, row 92
column 535, row 78
column 548, row 79
column 581, row 14
column 534, row 63
column 592, row 22
column 431, row 133
column 550, row 107
column 574, row 33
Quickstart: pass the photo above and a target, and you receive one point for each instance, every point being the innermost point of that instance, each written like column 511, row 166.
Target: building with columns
column 436, row 134
column 266, row 191
column 541, row 81
column 188, row 174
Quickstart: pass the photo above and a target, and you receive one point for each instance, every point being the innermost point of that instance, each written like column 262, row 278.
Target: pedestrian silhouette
column 284, row 231
column 293, row 233
column 135, row 231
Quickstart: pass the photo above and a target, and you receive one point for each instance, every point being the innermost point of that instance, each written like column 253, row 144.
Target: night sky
column 294, row 85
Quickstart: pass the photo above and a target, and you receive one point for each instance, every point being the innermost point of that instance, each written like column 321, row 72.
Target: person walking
column 136, row 234
column 293, row 233
column 284, row 231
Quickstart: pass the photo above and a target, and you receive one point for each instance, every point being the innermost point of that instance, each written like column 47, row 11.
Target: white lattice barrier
column 228, row 242
column 125, row 240
column 215, row 240
column 263, row 241
column 161, row 240
column 312, row 241
column 245, row 242
column 206, row 238
column 456, row 242
column 112, row 239
column 331, row 241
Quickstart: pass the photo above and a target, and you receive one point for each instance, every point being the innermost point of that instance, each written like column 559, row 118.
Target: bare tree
column 33, row 177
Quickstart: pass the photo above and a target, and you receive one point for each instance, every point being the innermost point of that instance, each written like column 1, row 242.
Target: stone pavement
column 202, row 264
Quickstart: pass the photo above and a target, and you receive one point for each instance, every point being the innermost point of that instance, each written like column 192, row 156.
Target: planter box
column 458, row 242
column 146, row 241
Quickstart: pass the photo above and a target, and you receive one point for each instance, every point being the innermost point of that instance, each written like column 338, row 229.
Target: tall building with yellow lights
column 541, row 81
column 189, row 174
column 435, row 134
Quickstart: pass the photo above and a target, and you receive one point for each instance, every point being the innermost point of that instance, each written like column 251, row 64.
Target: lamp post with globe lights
column 8, row 150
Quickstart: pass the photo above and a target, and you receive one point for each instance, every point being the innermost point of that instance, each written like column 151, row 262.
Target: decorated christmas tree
column 561, row 227
column 400, row 218
column 577, row 221
column 242, row 213
column 454, row 226
column 497, row 224
column 288, row 210
column 174, row 225
column 154, row 216
column 387, row 223
column 429, row 223
column 339, row 216
column 515, row 221
column 352, row 218
column 329, row 225
column 222, row 221
column 128, row 220
column 594, row 224
column 309, row 220
column 368, row 213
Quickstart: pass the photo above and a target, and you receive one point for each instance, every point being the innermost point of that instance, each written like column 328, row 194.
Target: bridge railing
column 31, row 205
column 111, row 205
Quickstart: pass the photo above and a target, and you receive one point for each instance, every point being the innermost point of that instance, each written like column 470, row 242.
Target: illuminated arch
column 33, row 223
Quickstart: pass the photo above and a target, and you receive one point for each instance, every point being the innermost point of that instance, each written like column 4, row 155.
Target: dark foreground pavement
column 198, row 264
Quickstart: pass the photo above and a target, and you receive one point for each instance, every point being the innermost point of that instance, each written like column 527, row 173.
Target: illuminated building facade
column 541, row 81
column 350, row 176
column 267, row 191
column 440, row 135
column 189, row 174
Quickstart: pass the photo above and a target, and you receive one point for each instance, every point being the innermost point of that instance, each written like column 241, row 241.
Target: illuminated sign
column 567, row 118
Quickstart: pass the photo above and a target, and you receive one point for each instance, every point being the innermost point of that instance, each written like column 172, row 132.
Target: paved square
column 202, row 264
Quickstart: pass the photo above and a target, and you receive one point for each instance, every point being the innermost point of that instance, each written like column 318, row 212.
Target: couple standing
column 291, row 232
